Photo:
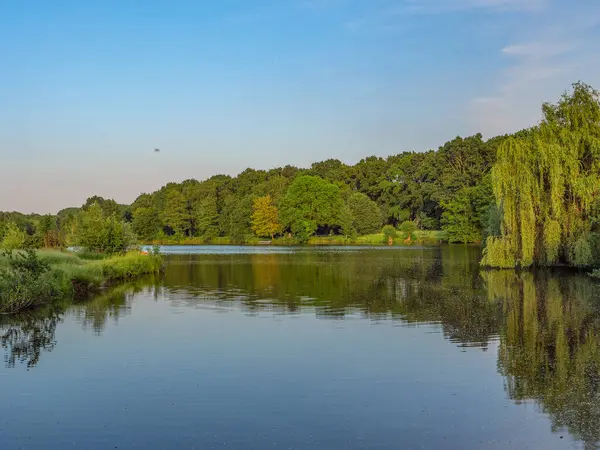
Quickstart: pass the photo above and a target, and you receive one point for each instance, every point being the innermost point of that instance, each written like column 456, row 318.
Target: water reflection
column 25, row 336
column 547, row 324
column 435, row 285
column 550, row 346
column 112, row 304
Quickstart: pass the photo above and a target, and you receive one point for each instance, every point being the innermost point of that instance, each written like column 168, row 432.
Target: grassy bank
column 419, row 237
column 32, row 279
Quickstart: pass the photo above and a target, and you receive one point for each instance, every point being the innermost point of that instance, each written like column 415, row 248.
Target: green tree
column 118, row 236
column 207, row 220
column 146, row 223
column 332, row 169
column 88, row 231
column 546, row 183
column 368, row 176
column 98, row 233
column 389, row 234
column 460, row 220
column 14, row 238
column 310, row 202
column 174, row 214
column 109, row 206
column 265, row 217
column 346, row 221
column 366, row 215
column 47, row 231
column 237, row 216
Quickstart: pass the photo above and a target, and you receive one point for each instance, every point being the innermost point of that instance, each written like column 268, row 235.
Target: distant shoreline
column 419, row 237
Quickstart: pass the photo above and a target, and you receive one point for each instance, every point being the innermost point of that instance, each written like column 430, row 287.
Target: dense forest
column 533, row 195
column 449, row 188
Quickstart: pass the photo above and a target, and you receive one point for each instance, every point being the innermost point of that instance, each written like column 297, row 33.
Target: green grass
column 65, row 275
column 421, row 237
column 91, row 256
column 330, row 240
column 128, row 266
column 221, row 240
column 55, row 257
column 433, row 236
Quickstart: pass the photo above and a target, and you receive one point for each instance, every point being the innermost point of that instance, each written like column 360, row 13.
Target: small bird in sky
column 156, row 150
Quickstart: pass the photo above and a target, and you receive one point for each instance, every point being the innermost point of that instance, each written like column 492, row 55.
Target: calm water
column 283, row 348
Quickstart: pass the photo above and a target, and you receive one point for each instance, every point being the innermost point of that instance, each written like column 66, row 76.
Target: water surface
column 296, row 348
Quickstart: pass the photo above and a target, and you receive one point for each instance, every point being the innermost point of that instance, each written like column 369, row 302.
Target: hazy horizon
column 91, row 89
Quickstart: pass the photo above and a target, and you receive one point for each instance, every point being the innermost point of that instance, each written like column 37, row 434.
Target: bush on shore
column 30, row 279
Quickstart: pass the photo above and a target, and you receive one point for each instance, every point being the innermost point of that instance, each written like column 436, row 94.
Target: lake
column 311, row 348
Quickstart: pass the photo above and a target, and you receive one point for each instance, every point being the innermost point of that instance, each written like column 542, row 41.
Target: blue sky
column 89, row 89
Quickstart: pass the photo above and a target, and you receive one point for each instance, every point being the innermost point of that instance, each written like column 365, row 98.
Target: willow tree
column 546, row 182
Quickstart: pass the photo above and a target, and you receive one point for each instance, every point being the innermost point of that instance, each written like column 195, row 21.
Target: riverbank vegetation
column 104, row 250
column 30, row 279
column 546, row 183
column 532, row 197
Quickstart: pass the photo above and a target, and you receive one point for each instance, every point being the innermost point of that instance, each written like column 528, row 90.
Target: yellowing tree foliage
column 547, row 183
column 265, row 217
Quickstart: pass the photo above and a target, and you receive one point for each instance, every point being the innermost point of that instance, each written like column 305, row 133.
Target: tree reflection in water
column 547, row 323
column 25, row 336
column 550, row 346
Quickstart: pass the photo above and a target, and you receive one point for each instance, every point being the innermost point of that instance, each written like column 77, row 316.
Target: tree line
column 532, row 196
column 445, row 189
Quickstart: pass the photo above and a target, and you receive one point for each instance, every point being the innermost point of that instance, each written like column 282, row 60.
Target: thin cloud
column 393, row 11
column 538, row 49
column 538, row 70
column 441, row 6
column 320, row 4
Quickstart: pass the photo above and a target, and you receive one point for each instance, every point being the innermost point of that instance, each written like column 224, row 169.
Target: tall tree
column 146, row 223
column 365, row 214
column 460, row 220
column 47, row 230
column 236, row 216
column 265, row 217
column 109, row 206
column 309, row 203
column 546, row 184
column 98, row 233
column 174, row 214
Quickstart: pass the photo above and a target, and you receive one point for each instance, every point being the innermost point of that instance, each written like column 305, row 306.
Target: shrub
column 129, row 266
column 28, row 281
column 14, row 238
column 389, row 234
column 408, row 228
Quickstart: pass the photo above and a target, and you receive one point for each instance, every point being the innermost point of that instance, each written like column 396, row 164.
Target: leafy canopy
column 547, row 184
column 309, row 203
column 265, row 217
